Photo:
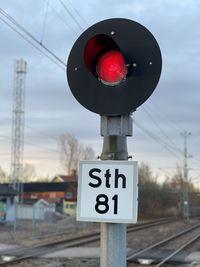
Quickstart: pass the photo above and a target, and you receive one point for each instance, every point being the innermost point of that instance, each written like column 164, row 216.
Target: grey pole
column 114, row 129
column 185, row 135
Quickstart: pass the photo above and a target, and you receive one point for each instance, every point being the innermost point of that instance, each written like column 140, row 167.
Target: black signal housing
column 143, row 60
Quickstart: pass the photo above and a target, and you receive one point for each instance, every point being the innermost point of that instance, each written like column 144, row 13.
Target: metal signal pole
column 115, row 129
column 185, row 135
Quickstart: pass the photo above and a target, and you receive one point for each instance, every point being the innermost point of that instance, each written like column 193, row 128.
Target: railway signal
column 114, row 66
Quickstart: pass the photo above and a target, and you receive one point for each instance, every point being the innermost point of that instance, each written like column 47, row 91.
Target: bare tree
column 28, row 172
column 86, row 153
column 71, row 151
column 43, row 179
column 68, row 145
column 3, row 176
column 145, row 173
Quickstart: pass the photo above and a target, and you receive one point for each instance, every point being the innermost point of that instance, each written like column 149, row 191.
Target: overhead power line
column 31, row 43
column 170, row 141
column 27, row 40
column 44, row 148
column 69, row 26
column 9, row 139
column 52, row 150
column 25, row 34
column 45, row 21
column 41, row 133
column 32, row 129
column 164, row 117
column 159, row 140
column 71, row 15
column 78, row 13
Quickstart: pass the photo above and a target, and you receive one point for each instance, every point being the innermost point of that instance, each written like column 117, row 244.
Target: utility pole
column 17, row 149
column 185, row 135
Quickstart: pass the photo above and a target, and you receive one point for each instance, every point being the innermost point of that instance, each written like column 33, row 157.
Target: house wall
column 44, row 195
column 10, row 211
column 68, row 195
column 33, row 212
column 69, row 207
column 7, row 210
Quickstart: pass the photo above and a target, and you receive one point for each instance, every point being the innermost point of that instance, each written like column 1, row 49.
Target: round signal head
column 114, row 67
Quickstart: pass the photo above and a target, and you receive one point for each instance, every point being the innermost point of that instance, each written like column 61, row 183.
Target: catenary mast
column 17, row 148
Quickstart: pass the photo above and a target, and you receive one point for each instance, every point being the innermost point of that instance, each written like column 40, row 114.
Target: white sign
column 107, row 191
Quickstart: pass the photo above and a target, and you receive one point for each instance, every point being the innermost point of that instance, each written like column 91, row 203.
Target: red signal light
column 111, row 68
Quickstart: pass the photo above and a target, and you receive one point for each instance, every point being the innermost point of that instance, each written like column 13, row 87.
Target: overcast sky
column 50, row 108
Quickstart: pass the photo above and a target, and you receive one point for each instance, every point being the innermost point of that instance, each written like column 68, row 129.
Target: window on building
column 68, row 195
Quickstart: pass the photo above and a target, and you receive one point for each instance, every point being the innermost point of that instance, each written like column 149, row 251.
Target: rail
column 48, row 247
column 164, row 242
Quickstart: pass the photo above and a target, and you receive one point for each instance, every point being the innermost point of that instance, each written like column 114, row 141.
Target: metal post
column 185, row 134
column 113, row 235
column 17, row 148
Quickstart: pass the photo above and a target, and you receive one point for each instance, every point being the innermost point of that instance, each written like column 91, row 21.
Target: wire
column 40, row 133
column 31, row 128
column 71, row 15
column 45, row 21
column 30, row 35
column 9, row 139
column 26, row 39
column 173, row 144
column 157, row 139
column 42, row 147
column 16, row 24
column 79, row 15
column 196, row 160
column 163, row 116
column 5, row 137
column 63, row 20
column 153, row 136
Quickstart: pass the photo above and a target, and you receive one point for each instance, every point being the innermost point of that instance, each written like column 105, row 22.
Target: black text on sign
column 107, row 191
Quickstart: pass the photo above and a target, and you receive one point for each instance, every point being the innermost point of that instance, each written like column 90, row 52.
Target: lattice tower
column 20, row 68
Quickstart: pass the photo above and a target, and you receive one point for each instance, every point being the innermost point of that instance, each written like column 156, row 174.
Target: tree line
column 163, row 199
column 155, row 198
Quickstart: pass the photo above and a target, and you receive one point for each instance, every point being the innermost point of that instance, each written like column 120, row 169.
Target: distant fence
column 194, row 211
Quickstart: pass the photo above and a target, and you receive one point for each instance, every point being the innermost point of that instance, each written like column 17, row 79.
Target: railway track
column 186, row 238
column 22, row 254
